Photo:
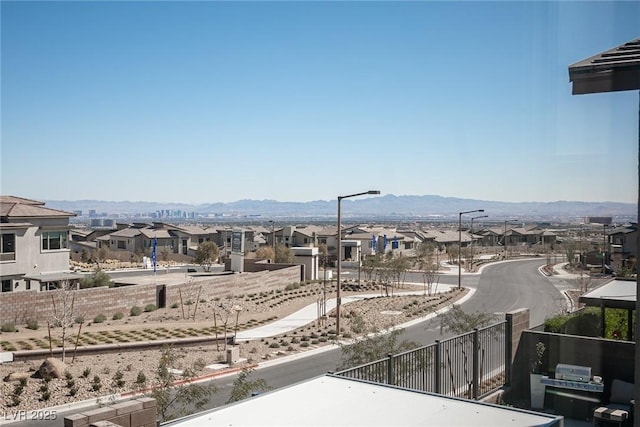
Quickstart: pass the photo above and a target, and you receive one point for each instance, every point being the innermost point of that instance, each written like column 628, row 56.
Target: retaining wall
column 17, row 307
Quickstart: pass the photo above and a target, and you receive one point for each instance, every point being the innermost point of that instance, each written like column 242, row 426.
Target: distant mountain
column 428, row 206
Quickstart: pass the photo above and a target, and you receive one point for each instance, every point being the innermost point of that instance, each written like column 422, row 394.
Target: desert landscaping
column 190, row 329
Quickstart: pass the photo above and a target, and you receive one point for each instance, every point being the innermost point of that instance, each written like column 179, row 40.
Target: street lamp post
column 604, row 246
column 471, row 232
column 339, row 263
column 460, row 243
column 273, row 239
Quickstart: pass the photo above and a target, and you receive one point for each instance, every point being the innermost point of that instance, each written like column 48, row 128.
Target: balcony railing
column 471, row 365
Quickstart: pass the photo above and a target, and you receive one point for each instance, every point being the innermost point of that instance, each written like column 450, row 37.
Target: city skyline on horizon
column 206, row 102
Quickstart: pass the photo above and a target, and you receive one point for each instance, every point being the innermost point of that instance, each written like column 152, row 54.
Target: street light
column 338, row 265
column 273, row 238
column 505, row 236
column 471, row 232
column 604, row 247
column 460, row 242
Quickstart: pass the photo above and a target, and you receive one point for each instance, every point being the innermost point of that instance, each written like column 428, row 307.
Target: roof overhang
column 614, row 70
column 54, row 277
column 614, row 294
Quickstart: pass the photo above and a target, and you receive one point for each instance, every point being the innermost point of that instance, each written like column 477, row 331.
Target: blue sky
column 296, row 101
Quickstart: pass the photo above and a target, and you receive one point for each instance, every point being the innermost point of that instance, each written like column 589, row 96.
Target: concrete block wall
column 19, row 306
column 140, row 412
column 519, row 321
column 235, row 284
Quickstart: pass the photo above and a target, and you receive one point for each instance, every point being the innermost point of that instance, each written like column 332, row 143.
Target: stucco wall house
column 34, row 247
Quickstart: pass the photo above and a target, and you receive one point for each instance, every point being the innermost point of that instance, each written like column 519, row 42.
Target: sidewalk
column 309, row 314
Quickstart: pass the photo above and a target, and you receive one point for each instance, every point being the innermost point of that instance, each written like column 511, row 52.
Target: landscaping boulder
column 17, row 376
column 52, row 368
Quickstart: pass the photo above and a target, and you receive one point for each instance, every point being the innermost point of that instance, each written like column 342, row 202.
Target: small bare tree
column 63, row 311
column 583, row 282
column 224, row 312
column 176, row 400
column 427, row 264
column 243, row 387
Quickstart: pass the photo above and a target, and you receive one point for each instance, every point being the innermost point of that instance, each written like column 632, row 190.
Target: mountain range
column 427, row 206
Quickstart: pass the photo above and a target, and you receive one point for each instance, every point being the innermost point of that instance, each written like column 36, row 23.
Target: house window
column 54, row 240
column 8, row 247
column 121, row 244
column 6, row 285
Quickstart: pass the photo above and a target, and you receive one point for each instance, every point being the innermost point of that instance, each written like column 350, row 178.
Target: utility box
column 233, row 355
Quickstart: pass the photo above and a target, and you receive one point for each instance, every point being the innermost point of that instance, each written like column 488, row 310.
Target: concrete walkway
column 309, row 314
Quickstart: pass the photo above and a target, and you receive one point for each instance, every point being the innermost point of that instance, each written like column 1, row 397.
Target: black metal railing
column 471, row 365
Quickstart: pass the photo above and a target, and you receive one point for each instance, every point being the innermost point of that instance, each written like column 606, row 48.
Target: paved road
column 501, row 287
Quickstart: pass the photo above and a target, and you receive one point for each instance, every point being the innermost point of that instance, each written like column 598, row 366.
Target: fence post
column 390, row 376
column 437, row 369
column 508, row 348
column 476, row 364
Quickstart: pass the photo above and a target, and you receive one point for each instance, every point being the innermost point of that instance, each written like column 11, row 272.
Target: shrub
column 150, row 307
column 141, row 379
column 118, row 379
column 135, row 311
column 32, row 324
column 15, row 400
column 96, row 383
column 79, row 320
column 8, row 327
column 119, row 315
column 99, row 318
column 18, row 389
column 86, row 372
column 174, row 305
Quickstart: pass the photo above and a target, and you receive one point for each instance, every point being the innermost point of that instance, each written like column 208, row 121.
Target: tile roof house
column 34, row 244
column 139, row 238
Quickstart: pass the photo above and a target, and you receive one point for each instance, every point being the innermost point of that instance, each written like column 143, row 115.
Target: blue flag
column 384, row 242
column 374, row 243
column 153, row 253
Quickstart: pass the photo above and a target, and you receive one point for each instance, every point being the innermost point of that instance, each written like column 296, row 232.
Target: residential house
column 34, row 244
column 306, row 236
column 622, row 247
column 140, row 238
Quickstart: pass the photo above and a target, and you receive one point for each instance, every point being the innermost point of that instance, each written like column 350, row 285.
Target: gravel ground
column 122, row 372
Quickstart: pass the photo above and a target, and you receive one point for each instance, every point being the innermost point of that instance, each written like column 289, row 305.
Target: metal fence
column 471, row 365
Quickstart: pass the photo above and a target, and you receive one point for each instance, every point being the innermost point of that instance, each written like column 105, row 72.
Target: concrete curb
column 116, row 347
